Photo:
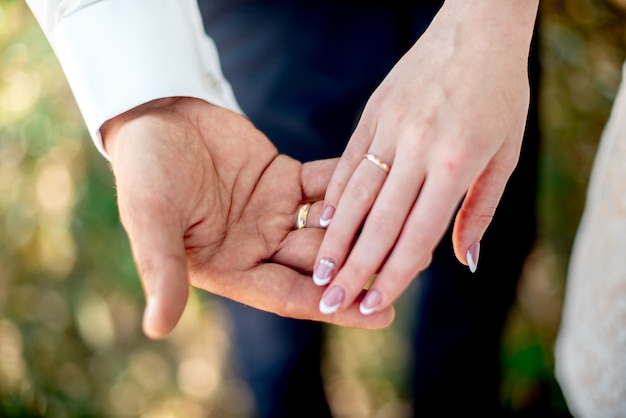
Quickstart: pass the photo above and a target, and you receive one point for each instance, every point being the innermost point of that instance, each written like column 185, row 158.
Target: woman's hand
column 448, row 121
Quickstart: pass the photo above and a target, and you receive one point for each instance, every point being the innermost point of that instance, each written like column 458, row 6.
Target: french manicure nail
column 149, row 313
column 327, row 216
column 331, row 300
column 472, row 256
column 324, row 271
column 371, row 302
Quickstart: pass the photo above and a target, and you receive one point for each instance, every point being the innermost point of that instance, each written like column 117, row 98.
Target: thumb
column 477, row 211
column 159, row 252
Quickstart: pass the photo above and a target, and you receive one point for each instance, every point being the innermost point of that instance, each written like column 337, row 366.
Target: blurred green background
column 71, row 303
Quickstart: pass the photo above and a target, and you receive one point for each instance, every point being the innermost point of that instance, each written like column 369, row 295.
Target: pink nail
column 149, row 314
column 327, row 216
column 472, row 256
column 324, row 271
column 371, row 302
column 331, row 300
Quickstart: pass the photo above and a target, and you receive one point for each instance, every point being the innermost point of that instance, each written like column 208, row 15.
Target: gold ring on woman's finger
column 378, row 161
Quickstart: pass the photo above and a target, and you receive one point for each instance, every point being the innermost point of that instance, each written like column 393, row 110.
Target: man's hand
column 207, row 200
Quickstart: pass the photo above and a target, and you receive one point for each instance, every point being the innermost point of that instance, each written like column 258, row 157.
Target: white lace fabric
column 591, row 346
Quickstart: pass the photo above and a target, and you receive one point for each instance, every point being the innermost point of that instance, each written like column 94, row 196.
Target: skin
column 207, row 201
column 449, row 120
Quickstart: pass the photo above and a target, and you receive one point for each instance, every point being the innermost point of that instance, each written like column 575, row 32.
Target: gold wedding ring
column 378, row 161
column 303, row 214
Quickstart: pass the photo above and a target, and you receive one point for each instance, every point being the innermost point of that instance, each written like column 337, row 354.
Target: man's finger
column 275, row 288
column 159, row 253
column 315, row 178
column 299, row 249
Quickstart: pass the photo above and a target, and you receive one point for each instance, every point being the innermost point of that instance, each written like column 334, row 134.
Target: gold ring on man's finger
column 303, row 214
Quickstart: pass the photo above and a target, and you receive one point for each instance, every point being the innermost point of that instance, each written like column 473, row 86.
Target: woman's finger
column 380, row 231
column 422, row 232
column 480, row 204
column 356, row 201
column 351, row 158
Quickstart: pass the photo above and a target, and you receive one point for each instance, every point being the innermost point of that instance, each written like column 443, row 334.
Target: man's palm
column 206, row 199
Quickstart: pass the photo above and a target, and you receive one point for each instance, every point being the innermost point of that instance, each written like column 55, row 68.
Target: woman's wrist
column 513, row 19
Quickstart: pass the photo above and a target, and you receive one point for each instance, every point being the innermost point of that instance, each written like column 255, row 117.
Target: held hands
column 206, row 200
column 444, row 127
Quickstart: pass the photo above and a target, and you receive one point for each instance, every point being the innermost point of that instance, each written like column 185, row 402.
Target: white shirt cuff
column 119, row 54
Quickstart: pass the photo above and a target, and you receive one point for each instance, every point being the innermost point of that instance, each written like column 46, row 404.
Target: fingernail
column 371, row 302
column 327, row 216
column 472, row 256
column 148, row 314
column 331, row 300
column 324, row 271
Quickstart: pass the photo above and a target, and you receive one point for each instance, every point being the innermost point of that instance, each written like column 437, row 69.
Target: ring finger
column 308, row 215
column 354, row 205
column 381, row 229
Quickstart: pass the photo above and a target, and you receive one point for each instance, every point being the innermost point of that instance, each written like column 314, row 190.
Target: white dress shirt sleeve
column 118, row 54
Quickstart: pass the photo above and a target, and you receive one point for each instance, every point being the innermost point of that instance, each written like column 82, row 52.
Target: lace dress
column 591, row 346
